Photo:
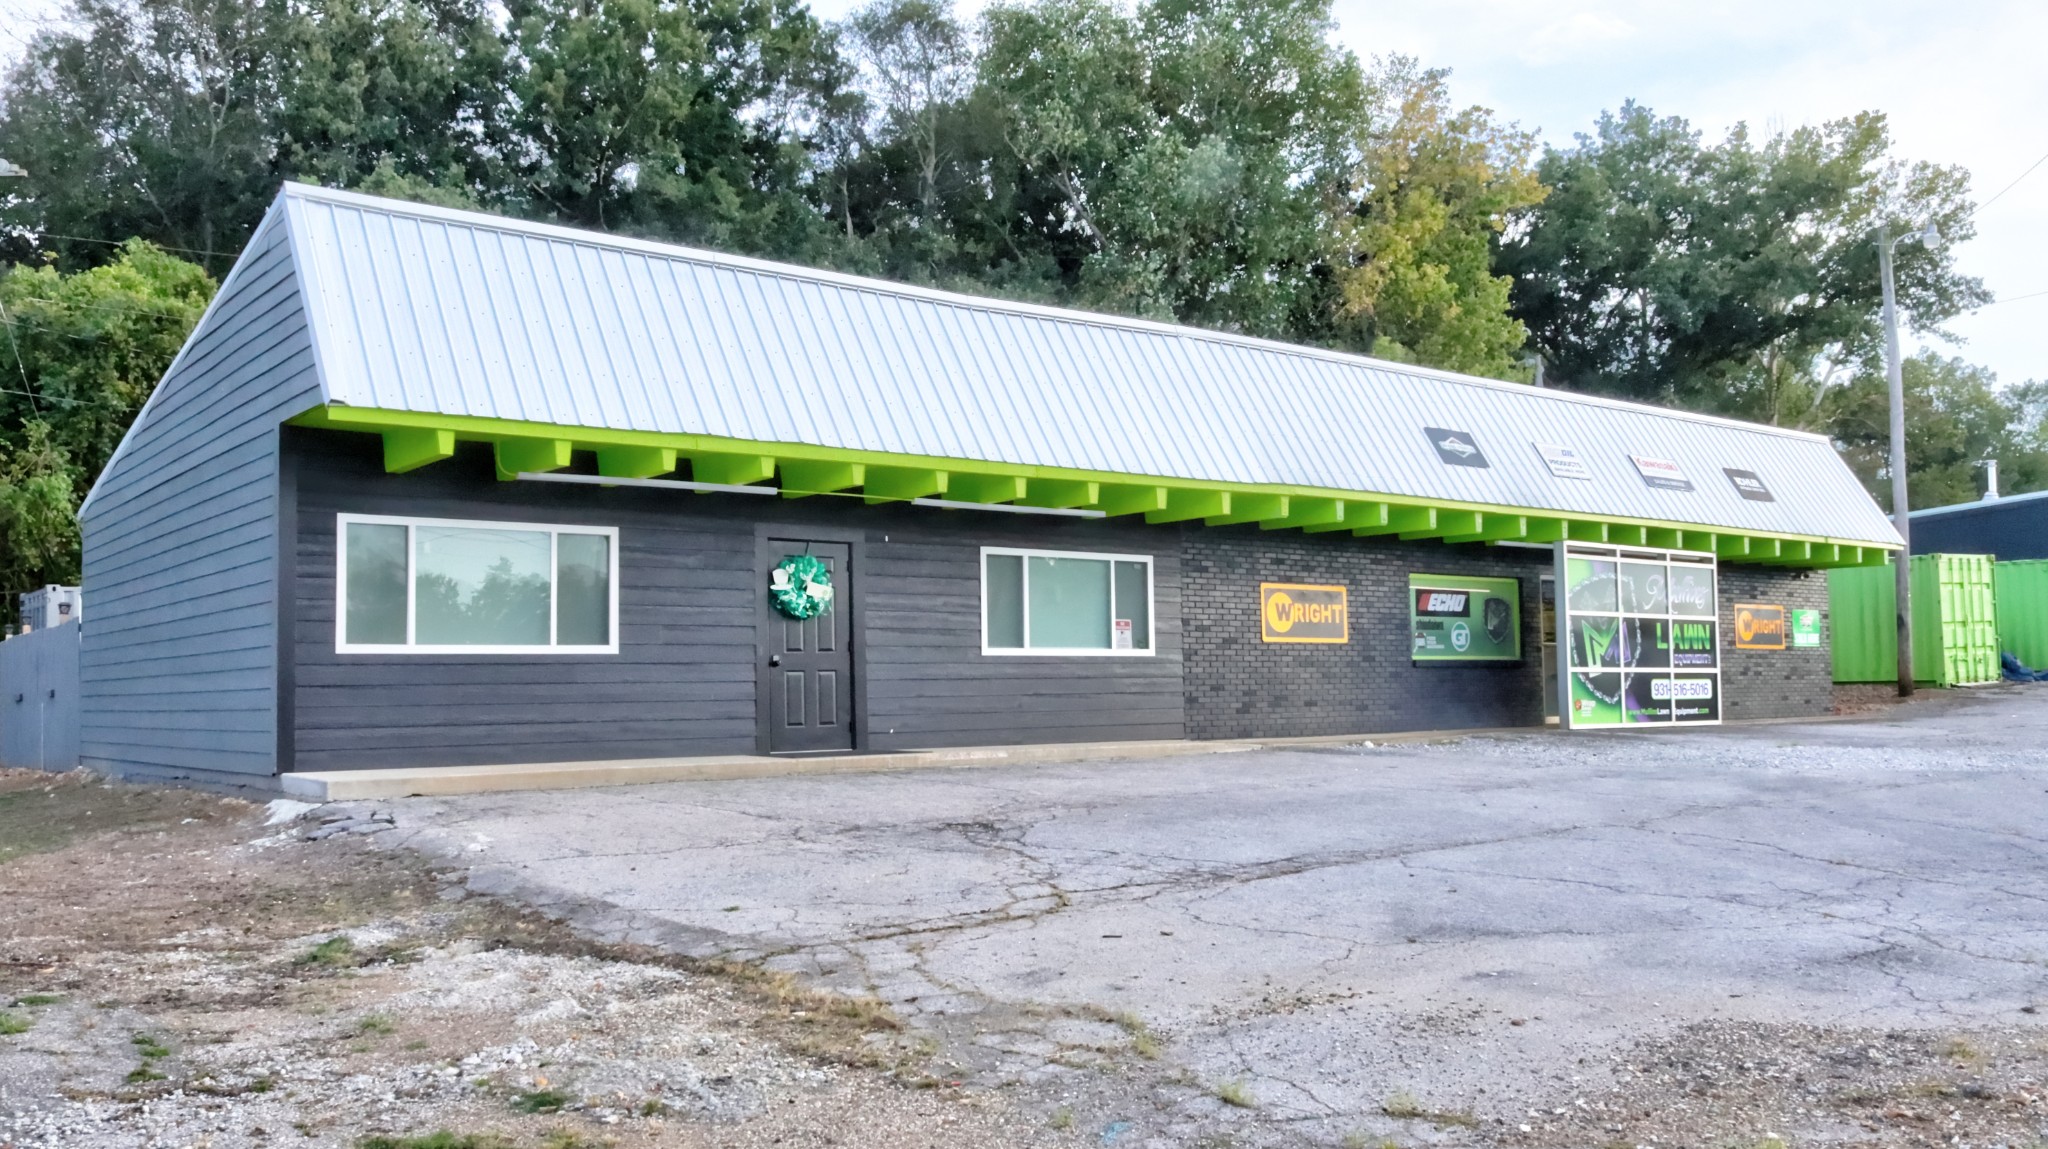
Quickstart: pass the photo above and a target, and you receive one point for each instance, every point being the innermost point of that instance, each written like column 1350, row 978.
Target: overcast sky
column 1961, row 80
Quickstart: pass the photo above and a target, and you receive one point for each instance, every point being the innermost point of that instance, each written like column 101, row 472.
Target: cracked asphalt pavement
column 1285, row 946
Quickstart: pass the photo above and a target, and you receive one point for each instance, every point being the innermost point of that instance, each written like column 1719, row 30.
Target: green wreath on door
column 801, row 586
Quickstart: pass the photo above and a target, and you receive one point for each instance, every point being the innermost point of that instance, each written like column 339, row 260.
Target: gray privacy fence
column 39, row 699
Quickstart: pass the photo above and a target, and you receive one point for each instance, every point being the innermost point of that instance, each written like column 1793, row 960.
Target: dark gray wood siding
column 178, row 654
column 930, row 685
column 684, row 680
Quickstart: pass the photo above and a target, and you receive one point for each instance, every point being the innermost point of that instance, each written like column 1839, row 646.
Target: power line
column 2015, row 183
column 33, row 234
column 28, row 388
column 116, row 308
column 2014, row 299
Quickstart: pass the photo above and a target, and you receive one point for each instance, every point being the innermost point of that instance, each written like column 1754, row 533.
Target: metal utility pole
column 1894, row 375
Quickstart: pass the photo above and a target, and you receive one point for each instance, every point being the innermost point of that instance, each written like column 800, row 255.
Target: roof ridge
column 996, row 304
column 1979, row 504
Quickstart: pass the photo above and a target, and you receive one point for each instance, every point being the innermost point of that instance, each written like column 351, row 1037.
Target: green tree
column 1956, row 418
column 400, row 97
column 83, row 351
column 1737, row 277
column 144, row 118
column 92, row 345
column 680, row 120
column 916, row 58
column 1431, row 195
column 38, row 527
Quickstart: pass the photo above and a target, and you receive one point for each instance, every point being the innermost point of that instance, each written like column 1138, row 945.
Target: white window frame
column 554, row 532
column 1024, row 589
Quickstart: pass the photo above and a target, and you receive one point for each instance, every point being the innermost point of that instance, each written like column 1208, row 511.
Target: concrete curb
column 354, row 785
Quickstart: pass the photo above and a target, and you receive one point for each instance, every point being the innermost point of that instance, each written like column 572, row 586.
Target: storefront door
column 809, row 677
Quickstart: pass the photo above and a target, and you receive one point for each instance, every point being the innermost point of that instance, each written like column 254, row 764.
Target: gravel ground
column 1822, row 933
column 1825, row 934
column 183, row 976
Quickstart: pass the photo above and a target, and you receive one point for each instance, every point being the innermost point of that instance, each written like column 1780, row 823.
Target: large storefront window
column 436, row 586
column 1639, row 637
column 1063, row 602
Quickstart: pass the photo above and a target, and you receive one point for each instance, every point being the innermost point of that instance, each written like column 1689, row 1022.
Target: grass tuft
column 31, row 1000
column 1404, row 1106
column 440, row 1140
column 541, row 1101
column 333, row 953
column 375, row 1024
column 13, row 1023
column 1062, row 1118
column 1236, row 1093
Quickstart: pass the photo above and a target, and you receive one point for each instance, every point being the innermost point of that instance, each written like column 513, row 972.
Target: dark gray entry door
column 810, row 660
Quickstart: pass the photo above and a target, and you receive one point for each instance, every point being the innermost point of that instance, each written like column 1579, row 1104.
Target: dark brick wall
column 1240, row 687
column 1787, row 683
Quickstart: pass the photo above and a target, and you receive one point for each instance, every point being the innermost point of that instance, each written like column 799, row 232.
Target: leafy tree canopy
column 83, row 352
column 1739, row 277
column 1956, row 418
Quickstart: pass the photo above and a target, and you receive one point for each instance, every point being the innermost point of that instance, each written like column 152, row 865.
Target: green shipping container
column 2022, row 588
column 1955, row 622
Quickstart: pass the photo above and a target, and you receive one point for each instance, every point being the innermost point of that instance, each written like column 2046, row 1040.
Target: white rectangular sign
column 1661, row 473
column 1564, row 462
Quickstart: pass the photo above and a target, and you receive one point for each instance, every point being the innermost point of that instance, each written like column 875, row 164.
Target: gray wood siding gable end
column 179, row 658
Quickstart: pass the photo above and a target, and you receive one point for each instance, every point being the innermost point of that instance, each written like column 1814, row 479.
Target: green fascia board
column 410, row 448
column 1546, row 531
column 985, row 488
column 1449, row 523
column 718, row 459
column 1307, row 514
column 635, row 462
column 517, row 456
column 901, row 484
column 802, row 477
column 1399, row 520
column 1495, row 529
column 1249, row 508
column 1185, row 504
column 1123, row 500
column 1060, row 494
column 732, row 470
column 1362, row 519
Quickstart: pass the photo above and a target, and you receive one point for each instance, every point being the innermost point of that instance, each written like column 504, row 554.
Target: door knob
column 775, row 660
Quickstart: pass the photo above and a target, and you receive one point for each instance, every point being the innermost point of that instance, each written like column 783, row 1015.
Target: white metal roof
column 417, row 308
column 1979, row 505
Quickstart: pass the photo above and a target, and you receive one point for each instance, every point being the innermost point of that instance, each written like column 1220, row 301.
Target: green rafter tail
column 414, row 439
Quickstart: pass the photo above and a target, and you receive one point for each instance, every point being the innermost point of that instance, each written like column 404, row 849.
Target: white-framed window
column 1065, row 602
column 455, row 586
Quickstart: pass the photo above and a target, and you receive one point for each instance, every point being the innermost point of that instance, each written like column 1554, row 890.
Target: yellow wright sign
column 1297, row 612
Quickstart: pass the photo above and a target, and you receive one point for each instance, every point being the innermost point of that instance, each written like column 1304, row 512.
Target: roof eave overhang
column 413, row 439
